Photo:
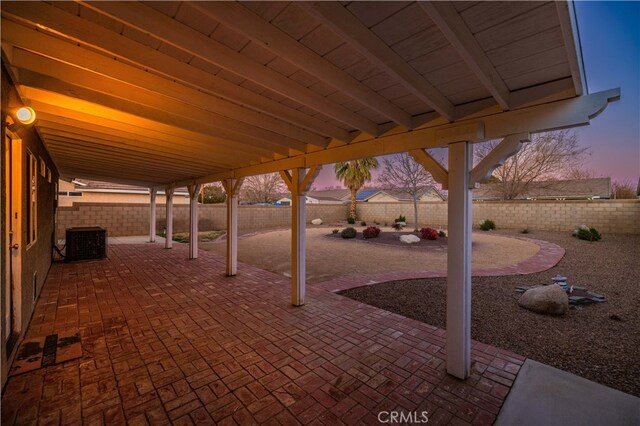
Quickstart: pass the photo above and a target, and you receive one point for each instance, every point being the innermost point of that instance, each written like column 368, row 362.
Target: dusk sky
column 610, row 39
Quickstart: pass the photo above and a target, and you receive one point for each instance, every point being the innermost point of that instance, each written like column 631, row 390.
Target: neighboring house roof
column 365, row 194
column 84, row 185
column 402, row 195
column 563, row 189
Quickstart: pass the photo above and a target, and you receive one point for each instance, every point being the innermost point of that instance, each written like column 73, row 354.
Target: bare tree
column 265, row 188
column 623, row 190
column 546, row 158
column 402, row 172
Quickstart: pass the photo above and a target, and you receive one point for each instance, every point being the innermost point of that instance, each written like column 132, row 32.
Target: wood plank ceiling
column 156, row 92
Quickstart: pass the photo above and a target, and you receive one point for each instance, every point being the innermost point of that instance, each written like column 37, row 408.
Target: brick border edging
column 547, row 257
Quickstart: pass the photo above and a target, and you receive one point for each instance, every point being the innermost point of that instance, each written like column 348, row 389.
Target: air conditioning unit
column 84, row 243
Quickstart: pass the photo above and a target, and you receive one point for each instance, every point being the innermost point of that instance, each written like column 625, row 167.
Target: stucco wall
column 622, row 216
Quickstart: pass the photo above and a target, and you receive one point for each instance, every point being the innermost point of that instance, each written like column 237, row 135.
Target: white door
column 13, row 212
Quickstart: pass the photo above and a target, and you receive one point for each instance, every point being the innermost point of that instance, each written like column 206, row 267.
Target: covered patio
column 171, row 94
column 166, row 339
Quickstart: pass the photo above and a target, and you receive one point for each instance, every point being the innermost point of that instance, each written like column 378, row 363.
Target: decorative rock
column 549, row 299
column 401, row 223
column 316, row 222
column 410, row 239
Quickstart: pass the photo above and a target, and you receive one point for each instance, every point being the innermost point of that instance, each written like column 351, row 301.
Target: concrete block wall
column 615, row 216
column 133, row 219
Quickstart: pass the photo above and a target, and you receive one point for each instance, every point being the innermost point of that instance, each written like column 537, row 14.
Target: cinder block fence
column 614, row 216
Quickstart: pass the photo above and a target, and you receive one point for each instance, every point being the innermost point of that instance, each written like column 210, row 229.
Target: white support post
column 298, row 182
column 152, row 215
column 459, row 261
column 232, row 189
column 194, row 191
column 168, row 238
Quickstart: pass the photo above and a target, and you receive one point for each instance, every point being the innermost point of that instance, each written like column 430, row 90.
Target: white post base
column 194, row 190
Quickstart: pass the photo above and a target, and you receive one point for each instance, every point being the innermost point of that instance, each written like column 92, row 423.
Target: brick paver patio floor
column 171, row 340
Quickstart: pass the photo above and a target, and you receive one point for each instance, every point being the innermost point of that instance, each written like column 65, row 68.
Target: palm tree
column 354, row 174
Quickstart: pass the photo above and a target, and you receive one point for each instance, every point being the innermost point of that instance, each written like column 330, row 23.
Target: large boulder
column 550, row 299
column 410, row 239
column 316, row 222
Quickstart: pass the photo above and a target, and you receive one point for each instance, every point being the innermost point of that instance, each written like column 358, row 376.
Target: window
column 48, row 175
column 70, row 193
column 31, row 213
column 43, row 168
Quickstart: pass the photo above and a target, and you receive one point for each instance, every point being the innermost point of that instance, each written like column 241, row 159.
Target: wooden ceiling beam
column 174, row 33
column 243, row 20
column 77, row 141
column 451, row 24
column 50, row 129
column 51, row 116
column 96, row 71
column 55, row 20
column 75, row 174
column 353, row 31
column 138, row 124
column 158, row 114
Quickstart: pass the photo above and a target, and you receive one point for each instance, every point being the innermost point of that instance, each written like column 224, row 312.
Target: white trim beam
column 539, row 118
column 78, row 30
column 432, row 166
column 451, row 24
column 168, row 237
column 243, row 20
column 569, row 27
column 194, row 191
column 509, row 146
column 152, row 214
column 459, row 261
column 171, row 31
column 354, row 32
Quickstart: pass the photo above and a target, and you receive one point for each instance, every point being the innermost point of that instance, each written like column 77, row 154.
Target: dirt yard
column 599, row 342
column 329, row 257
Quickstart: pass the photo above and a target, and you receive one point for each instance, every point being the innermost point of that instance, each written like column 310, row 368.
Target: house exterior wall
column 37, row 257
column 621, row 216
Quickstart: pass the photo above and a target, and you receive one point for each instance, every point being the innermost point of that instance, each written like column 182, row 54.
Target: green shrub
column 351, row 220
column 525, row 231
column 401, row 218
column 349, row 233
column 363, row 223
column 442, row 234
column 588, row 234
column 335, row 231
column 487, row 225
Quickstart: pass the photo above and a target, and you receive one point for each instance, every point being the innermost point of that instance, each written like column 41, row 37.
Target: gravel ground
column 599, row 342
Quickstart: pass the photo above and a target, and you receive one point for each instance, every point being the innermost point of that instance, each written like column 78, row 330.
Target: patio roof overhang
column 167, row 94
column 172, row 93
